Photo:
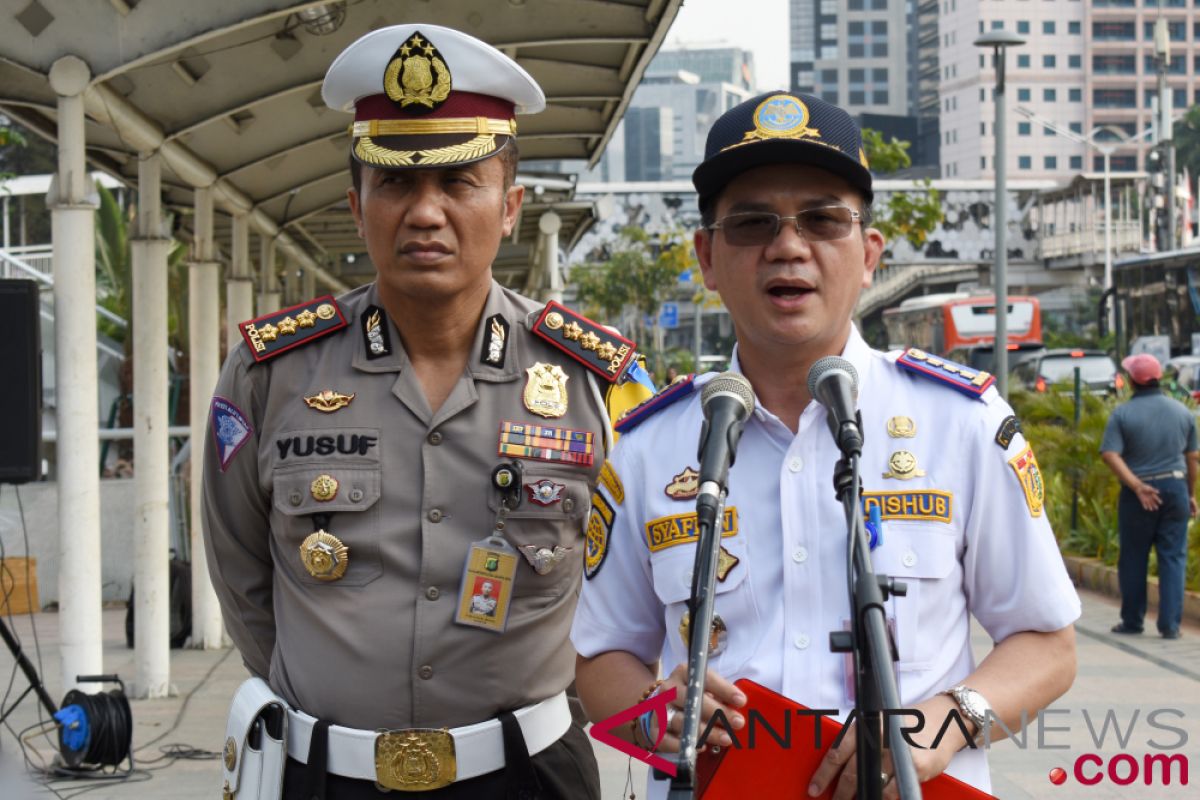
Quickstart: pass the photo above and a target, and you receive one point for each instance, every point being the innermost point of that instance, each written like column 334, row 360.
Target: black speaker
column 21, row 374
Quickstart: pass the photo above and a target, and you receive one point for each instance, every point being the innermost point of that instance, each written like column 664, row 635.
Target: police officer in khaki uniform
column 375, row 460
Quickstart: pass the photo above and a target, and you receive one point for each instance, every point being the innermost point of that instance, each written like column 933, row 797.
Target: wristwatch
column 974, row 707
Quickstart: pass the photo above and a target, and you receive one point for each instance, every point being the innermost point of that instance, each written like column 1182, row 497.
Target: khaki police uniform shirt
column 378, row 647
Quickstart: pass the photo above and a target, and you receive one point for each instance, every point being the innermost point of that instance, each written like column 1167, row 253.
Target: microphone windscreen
column 731, row 384
column 830, row 364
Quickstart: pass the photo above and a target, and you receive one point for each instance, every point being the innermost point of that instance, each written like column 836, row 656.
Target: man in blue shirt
column 1144, row 444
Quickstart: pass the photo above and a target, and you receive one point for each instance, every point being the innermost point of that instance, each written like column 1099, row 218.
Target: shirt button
column 356, row 495
column 910, row 559
column 295, row 498
column 435, row 515
column 434, row 438
column 568, row 505
column 801, row 642
column 796, row 464
column 426, row 672
column 800, row 555
column 432, row 593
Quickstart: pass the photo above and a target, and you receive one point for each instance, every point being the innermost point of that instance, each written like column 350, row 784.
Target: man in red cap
column 1145, row 444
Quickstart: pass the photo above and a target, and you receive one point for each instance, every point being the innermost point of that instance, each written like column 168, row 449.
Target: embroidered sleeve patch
column 271, row 334
column 599, row 531
column 971, row 382
column 1009, row 428
column 922, row 504
column 1030, row 477
column 679, row 529
column 230, row 429
column 605, row 353
column 611, row 481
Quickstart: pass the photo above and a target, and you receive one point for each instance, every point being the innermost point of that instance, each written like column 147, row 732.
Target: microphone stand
column 875, row 688
column 700, row 606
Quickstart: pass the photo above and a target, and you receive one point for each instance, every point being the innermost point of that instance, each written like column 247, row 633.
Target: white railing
column 1126, row 238
column 37, row 263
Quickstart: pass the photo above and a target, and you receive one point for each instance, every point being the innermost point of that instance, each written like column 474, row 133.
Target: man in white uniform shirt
column 785, row 201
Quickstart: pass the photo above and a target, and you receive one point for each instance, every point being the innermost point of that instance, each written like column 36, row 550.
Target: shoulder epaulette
column 968, row 380
column 280, row 331
column 671, row 394
column 605, row 353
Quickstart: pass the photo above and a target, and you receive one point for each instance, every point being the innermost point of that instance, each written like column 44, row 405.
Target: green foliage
column 639, row 272
column 906, row 215
column 1187, row 142
column 114, row 274
column 1070, row 462
column 9, row 137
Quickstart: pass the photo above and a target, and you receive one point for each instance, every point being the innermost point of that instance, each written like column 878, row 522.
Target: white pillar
column 203, row 331
column 7, row 239
column 239, row 288
column 152, row 467
column 308, row 286
column 291, row 283
column 268, row 298
column 549, row 225
column 76, row 400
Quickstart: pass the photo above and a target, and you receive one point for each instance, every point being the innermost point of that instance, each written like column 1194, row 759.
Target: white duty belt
column 422, row 759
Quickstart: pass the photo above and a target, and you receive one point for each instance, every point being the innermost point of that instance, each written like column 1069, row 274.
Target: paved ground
column 1129, row 677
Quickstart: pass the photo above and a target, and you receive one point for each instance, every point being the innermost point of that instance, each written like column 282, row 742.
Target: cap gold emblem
column 328, row 401
column 901, row 428
column 417, row 74
column 324, row 556
column 324, row 488
column 546, row 390
column 230, row 754
column 326, row 311
column 903, row 466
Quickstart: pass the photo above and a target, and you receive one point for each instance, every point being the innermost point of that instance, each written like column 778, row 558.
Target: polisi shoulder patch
column 605, row 353
column 671, row 394
column 968, row 380
column 271, row 334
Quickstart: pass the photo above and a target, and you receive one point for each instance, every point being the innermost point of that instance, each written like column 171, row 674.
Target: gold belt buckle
column 415, row 760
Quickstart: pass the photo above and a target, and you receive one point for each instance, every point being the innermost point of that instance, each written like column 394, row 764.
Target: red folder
column 782, row 773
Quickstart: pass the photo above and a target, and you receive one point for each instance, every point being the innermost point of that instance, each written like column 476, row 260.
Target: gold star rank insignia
column 299, row 324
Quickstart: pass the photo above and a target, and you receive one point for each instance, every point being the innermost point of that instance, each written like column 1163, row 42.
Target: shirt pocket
column 353, row 518
column 733, row 602
column 550, row 519
column 923, row 556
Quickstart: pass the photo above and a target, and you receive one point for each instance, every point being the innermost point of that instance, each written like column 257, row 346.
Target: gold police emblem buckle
column 324, row 556
column 415, row 760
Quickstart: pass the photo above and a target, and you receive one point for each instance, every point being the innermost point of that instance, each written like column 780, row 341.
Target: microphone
column 727, row 401
column 833, row 381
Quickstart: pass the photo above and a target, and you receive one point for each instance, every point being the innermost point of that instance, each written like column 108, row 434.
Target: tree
column 908, row 215
column 637, row 272
column 1187, row 142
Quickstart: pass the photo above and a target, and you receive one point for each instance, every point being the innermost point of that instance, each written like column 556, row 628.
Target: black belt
column 1162, row 476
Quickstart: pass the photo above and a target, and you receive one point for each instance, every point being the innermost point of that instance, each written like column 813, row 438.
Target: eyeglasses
column 753, row 228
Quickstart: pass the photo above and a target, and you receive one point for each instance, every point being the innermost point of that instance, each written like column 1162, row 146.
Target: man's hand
column 718, row 694
column 1149, row 497
column 1192, row 508
column 840, row 764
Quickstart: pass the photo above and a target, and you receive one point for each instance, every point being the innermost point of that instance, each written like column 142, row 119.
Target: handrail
column 117, row 434
column 48, row 280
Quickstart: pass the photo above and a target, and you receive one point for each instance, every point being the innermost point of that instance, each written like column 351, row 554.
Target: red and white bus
column 962, row 326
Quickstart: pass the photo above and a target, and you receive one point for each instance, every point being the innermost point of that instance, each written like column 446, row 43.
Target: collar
column 1144, row 391
column 397, row 359
column 856, row 351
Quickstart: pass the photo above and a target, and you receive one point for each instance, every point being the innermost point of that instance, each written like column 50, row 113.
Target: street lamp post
column 998, row 41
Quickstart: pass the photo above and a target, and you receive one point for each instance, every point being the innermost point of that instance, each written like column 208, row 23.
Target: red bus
column 962, row 326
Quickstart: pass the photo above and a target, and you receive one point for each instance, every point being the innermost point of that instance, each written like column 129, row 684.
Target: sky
column 757, row 25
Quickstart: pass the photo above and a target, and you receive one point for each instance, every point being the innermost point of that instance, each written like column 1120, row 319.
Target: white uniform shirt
column 987, row 555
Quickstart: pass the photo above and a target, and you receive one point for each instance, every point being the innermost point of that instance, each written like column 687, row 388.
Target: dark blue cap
column 782, row 128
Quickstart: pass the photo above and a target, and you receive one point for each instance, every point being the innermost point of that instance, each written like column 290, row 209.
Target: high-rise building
column 1086, row 64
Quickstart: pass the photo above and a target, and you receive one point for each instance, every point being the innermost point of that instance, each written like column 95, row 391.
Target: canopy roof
column 229, row 92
